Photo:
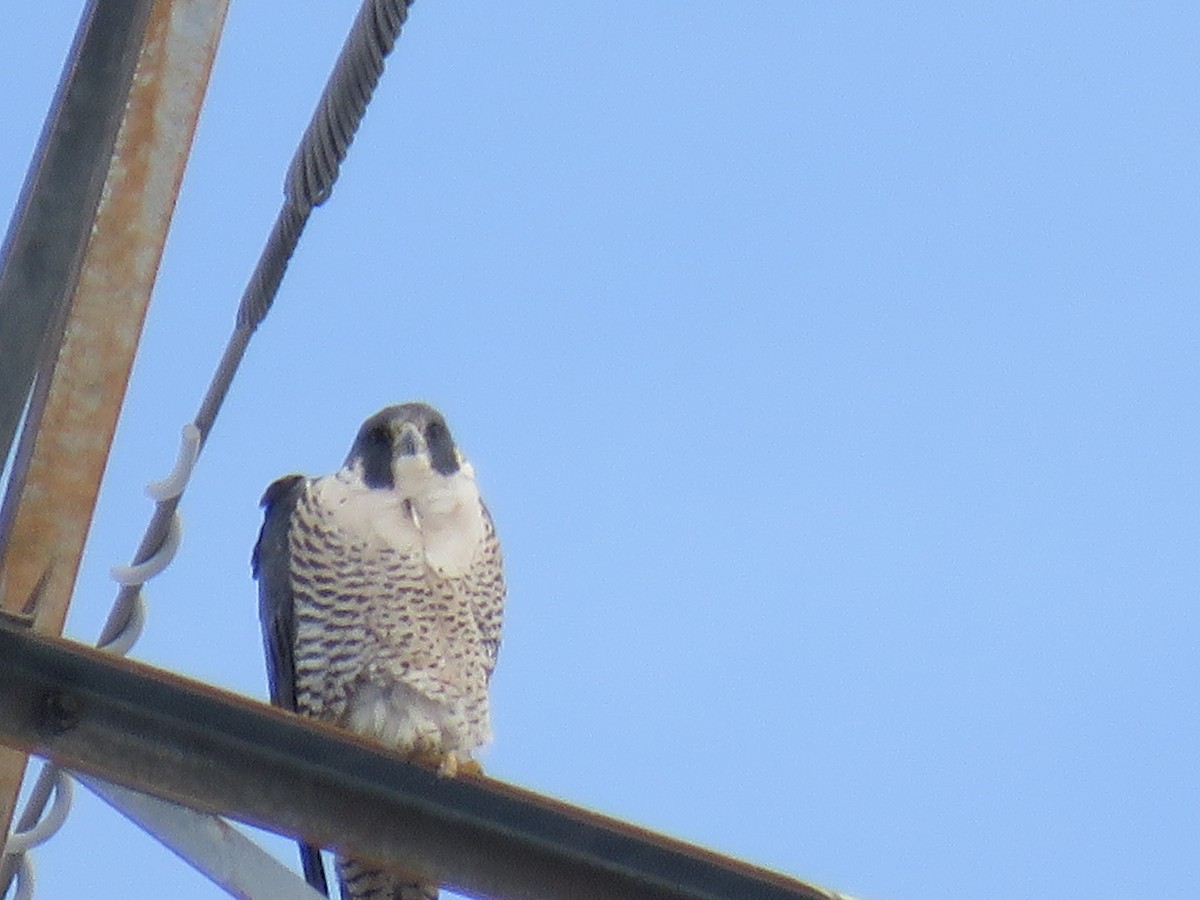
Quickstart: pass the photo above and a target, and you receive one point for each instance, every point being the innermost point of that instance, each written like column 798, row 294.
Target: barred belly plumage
column 382, row 646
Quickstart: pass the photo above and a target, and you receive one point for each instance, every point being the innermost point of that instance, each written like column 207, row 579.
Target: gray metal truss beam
column 207, row 843
column 185, row 742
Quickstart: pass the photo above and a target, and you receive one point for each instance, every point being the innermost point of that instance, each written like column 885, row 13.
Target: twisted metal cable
column 315, row 167
column 24, row 878
column 308, row 184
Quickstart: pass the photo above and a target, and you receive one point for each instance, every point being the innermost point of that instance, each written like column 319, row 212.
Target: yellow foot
column 470, row 767
column 426, row 758
column 447, row 766
column 452, row 766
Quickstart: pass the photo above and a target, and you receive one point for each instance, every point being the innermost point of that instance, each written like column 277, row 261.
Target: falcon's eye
column 379, row 435
column 441, row 447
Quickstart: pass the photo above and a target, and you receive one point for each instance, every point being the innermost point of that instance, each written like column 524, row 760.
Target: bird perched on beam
column 381, row 595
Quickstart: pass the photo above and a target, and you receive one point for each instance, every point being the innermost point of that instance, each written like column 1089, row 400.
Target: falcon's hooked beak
column 428, row 440
column 408, row 440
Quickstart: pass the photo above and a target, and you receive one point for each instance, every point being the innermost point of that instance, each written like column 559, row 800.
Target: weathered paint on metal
column 88, row 384
column 46, row 239
column 65, row 460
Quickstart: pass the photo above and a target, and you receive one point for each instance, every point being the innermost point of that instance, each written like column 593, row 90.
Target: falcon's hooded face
column 408, row 434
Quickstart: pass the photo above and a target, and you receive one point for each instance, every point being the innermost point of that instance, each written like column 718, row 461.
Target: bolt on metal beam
column 189, row 743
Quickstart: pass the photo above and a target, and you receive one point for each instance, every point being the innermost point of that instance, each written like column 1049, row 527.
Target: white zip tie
column 21, row 842
column 139, row 573
column 127, row 637
column 189, row 452
column 47, row 825
column 161, row 491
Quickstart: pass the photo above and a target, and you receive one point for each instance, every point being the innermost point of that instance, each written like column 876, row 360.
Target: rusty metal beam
column 64, row 448
column 189, row 743
column 44, row 246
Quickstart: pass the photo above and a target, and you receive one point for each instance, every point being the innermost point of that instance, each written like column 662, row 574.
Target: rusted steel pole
column 45, row 243
column 62, row 454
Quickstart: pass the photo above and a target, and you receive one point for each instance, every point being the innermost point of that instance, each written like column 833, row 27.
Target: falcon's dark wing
column 271, row 564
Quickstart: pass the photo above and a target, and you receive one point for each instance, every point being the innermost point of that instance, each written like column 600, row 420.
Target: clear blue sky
column 831, row 371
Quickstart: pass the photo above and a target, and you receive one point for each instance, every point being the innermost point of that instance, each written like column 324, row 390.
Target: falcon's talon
column 428, row 758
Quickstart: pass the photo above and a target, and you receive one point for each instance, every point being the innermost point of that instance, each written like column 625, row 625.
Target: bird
column 381, row 598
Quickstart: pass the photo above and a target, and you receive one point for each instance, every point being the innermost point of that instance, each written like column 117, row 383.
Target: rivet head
column 60, row 711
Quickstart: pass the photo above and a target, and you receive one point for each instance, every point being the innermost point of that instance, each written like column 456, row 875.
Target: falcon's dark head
column 410, row 429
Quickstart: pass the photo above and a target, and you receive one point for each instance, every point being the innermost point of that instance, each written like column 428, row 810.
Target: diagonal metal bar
column 91, row 229
column 43, row 249
column 188, row 743
column 209, row 844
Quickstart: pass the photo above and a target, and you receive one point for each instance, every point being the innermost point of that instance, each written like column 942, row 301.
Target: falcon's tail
column 360, row 881
column 314, row 869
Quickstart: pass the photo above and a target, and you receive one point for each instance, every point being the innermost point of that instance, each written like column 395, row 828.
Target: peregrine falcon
column 381, row 595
